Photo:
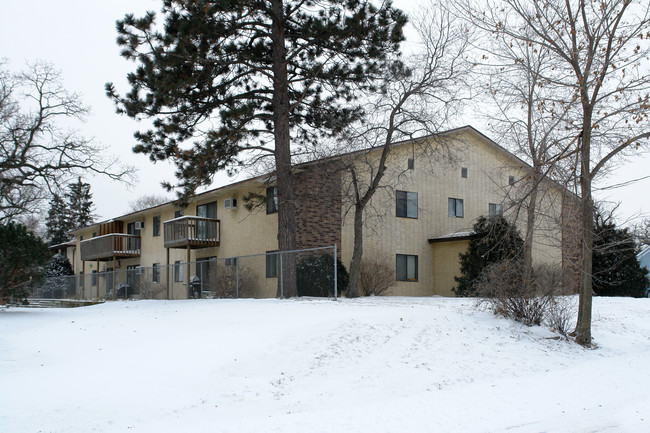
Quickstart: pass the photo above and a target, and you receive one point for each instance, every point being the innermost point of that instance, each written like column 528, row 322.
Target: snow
column 380, row 364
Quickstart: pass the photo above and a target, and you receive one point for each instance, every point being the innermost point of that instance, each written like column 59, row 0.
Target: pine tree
column 59, row 266
column 58, row 220
column 616, row 270
column 22, row 258
column 251, row 76
column 79, row 204
column 494, row 240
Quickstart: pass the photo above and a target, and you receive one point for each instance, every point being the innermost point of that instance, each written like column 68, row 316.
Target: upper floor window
column 406, row 204
column 208, row 210
column 411, row 163
column 463, row 172
column 156, row 225
column 511, row 180
column 456, row 207
column 179, row 213
column 495, row 209
column 272, row 199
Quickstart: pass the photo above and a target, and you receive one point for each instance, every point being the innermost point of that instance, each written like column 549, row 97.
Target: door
column 205, row 229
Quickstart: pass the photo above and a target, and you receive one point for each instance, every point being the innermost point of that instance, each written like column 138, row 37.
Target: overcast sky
column 78, row 37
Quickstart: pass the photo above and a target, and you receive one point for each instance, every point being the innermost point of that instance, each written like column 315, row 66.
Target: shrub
column 315, row 276
column 560, row 314
column 227, row 279
column 494, row 240
column 376, row 276
column 501, row 286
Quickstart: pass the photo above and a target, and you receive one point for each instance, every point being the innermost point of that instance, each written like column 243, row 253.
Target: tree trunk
column 530, row 230
column 583, row 326
column 286, row 206
column 357, row 253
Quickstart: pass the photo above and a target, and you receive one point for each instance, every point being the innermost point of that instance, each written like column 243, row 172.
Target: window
column 406, row 267
column 155, row 273
column 463, row 172
column 231, row 261
column 94, row 234
column 271, row 199
column 456, row 207
column 208, row 210
column 411, row 164
column 156, row 225
column 495, row 209
column 131, row 230
column 179, row 213
column 178, row 270
column 406, row 204
column 93, row 278
column 511, row 180
column 272, row 264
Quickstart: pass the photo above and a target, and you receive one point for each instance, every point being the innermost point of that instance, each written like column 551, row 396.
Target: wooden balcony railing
column 108, row 246
column 192, row 231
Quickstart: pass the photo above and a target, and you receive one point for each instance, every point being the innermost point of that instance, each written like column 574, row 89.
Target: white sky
column 78, row 37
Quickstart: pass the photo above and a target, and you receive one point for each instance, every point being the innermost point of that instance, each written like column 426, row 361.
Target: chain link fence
column 265, row 275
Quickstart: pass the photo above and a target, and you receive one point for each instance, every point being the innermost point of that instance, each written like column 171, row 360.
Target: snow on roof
column 457, row 236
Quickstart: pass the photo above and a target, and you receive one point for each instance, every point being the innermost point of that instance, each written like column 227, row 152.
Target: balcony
column 192, row 232
column 107, row 247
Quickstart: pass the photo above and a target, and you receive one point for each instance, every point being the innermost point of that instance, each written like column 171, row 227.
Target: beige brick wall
column 488, row 171
column 323, row 218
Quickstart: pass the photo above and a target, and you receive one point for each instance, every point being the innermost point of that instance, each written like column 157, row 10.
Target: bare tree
column 413, row 102
column 599, row 52
column 37, row 155
column 528, row 119
column 147, row 201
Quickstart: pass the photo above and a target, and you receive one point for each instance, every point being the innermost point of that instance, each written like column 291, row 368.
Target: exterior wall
column 571, row 243
column 242, row 232
column 324, row 217
column 435, row 181
column 445, row 265
column 318, row 206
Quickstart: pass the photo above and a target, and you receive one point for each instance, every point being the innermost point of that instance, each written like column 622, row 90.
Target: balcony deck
column 107, row 247
column 193, row 232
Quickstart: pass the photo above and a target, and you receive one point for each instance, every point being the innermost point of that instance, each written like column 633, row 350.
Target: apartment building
column 419, row 221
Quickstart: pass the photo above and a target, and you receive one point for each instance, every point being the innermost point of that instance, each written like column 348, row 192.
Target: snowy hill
column 314, row 365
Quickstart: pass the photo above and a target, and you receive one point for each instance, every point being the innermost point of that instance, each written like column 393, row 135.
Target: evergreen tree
column 79, row 204
column 58, row 220
column 22, row 259
column 616, row 270
column 494, row 240
column 59, row 266
column 251, row 76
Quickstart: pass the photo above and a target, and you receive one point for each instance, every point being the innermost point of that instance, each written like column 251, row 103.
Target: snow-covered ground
column 314, row 365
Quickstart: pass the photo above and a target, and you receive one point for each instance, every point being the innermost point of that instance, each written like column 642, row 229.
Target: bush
column 560, row 315
column 376, row 276
column 227, row 277
column 501, row 286
column 315, row 276
column 59, row 266
column 494, row 240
